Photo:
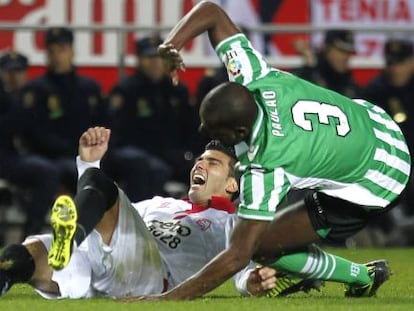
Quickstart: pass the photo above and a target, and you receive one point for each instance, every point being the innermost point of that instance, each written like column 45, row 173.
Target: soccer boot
column 63, row 221
column 379, row 272
column 287, row 286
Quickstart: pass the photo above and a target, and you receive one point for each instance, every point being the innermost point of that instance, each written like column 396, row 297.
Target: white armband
column 82, row 166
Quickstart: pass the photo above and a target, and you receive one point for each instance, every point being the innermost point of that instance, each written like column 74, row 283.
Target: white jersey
column 188, row 235
column 157, row 244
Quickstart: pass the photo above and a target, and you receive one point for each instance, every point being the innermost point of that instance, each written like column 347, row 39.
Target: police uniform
column 35, row 178
column 396, row 100
column 62, row 107
column 323, row 74
column 154, row 120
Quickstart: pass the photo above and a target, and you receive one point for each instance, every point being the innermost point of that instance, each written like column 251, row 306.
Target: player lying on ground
column 137, row 248
column 187, row 235
column 289, row 133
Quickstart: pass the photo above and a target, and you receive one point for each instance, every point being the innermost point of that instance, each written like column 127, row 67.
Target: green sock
column 317, row 264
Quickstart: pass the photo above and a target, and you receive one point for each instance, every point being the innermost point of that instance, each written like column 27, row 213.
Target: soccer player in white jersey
column 289, row 133
column 141, row 248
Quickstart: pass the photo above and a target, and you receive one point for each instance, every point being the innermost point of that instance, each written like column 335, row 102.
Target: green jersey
column 306, row 136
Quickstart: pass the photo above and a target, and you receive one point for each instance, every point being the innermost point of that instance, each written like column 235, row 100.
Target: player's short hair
column 229, row 151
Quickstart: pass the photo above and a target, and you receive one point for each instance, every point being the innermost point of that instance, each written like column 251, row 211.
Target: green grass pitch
column 396, row 294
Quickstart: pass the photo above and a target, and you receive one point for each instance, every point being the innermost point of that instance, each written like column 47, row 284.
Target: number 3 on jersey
column 323, row 111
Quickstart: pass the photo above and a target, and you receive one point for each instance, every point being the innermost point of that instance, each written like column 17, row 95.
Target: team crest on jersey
column 203, row 223
column 234, row 67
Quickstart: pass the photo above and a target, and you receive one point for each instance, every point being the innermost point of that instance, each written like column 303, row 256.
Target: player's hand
column 261, row 280
column 172, row 60
column 93, row 144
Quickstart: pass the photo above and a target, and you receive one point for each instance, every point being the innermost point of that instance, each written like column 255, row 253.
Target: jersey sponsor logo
column 269, row 98
column 203, row 223
column 169, row 233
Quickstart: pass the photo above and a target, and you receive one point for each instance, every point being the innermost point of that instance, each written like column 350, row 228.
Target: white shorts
column 130, row 265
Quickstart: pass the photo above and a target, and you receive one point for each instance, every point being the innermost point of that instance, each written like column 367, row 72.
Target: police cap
column 397, row 51
column 59, row 35
column 341, row 39
column 13, row 61
column 148, row 46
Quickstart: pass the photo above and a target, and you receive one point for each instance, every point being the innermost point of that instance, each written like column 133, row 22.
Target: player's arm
column 243, row 244
column 205, row 16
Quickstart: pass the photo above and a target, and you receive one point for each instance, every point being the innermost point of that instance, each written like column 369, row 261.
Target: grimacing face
column 210, row 177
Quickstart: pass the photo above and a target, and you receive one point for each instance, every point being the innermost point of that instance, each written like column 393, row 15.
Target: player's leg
column 334, row 220
column 26, row 263
column 291, row 230
column 73, row 220
column 316, row 264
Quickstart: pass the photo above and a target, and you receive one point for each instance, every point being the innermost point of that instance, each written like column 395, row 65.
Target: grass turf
column 396, row 294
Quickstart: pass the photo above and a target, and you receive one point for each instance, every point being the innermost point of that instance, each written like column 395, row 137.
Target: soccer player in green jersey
column 291, row 134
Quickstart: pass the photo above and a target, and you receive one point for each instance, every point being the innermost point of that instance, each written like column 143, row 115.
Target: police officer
column 393, row 90
column 152, row 122
column 35, row 181
column 62, row 104
column 329, row 67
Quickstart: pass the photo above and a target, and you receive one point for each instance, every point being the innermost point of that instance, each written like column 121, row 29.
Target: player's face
column 210, row 177
column 60, row 57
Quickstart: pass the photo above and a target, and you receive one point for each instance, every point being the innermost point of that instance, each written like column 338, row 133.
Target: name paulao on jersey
column 269, row 98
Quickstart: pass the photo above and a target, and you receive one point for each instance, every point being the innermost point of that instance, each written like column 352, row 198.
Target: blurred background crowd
column 154, row 124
